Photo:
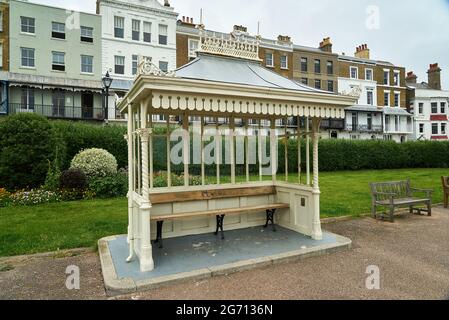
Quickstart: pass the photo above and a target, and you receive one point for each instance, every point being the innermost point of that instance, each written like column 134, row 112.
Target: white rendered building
column 429, row 106
column 133, row 28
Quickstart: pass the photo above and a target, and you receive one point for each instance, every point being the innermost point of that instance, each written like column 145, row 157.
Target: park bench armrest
column 428, row 192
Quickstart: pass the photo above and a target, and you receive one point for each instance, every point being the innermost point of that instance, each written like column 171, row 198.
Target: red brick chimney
column 362, row 52
column 411, row 77
column 434, row 76
column 186, row 21
column 326, row 45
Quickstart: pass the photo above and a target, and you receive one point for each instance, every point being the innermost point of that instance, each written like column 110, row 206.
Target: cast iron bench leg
column 220, row 220
column 270, row 217
column 159, row 233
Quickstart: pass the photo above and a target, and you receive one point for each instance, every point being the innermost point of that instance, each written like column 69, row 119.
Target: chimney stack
column 411, row 77
column 326, row 45
column 434, row 76
column 284, row 39
column 187, row 21
column 166, row 3
column 362, row 52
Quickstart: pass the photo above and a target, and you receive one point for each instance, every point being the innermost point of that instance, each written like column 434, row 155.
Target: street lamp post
column 107, row 81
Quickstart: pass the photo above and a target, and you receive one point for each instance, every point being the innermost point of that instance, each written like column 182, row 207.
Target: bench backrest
column 184, row 196
column 401, row 189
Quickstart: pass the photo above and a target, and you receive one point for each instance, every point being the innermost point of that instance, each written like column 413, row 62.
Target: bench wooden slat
column 403, row 201
column 231, row 211
column 184, row 196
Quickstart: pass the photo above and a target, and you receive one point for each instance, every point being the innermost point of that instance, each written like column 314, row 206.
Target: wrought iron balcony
column 59, row 111
column 333, row 124
column 364, row 128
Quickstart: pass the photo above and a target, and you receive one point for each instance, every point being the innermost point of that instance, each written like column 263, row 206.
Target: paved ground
column 412, row 255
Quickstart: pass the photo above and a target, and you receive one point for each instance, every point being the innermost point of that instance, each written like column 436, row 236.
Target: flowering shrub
column 5, row 197
column 95, row 163
column 34, row 197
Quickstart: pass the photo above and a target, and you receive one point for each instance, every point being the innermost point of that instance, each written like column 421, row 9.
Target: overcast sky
column 408, row 33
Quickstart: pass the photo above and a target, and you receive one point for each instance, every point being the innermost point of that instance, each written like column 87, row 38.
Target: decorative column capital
column 125, row 137
column 144, row 133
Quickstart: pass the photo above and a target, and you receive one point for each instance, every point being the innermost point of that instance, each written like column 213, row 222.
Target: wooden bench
column 445, row 181
column 399, row 194
column 220, row 214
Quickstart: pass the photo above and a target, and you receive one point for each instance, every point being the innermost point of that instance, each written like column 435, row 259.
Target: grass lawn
column 25, row 230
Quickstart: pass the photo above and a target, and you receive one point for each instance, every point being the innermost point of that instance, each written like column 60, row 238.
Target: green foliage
column 27, row 144
column 110, row 186
column 80, row 136
column 95, row 163
column 5, row 197
column 53, row 174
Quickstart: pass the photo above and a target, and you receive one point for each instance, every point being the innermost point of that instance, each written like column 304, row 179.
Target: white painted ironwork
column 147, row 67
column 240, row 47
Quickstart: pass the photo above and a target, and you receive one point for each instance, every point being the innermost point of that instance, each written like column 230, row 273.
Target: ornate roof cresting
column 240, row 47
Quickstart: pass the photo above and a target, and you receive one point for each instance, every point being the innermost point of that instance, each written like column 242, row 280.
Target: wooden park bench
column 445, row 181
column 399, row 194
column 185, row 196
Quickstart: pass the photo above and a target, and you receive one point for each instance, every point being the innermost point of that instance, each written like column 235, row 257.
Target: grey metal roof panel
column 238, row 71
column 363, row 108
column 396, row 111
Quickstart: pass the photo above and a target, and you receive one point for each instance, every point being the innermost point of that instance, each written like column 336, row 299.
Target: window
column 304, row 64
column 284, row 62
column 119, row 65
column 135, row 63
column 119, row 27
column 434, row 107
column 421, row 128
column 317, row 66
column 163, row 32
column 269, row 59
column 386, row 99
column 330, row 67
column 397, row 99
column 27, row 25
column 87, row 34
column 163, row 65
column 354, row 121
column 305, row 81
column 434, row 128
column 330, row 85
column 1, row 21
column 396, row 78
column 369, row 74
column 420, row 108
column 1, row 55
column 386, row 77
column 27, row 57
column 370, row 97
column 443, row 107
column 193, row 47
column 354, row 72
column 27, row 99
column 396, row 123
column 387, row 123
column 58, row 30
column 58, row 61
column 318, row 84
column 87, row 64
column 369, row 121
column 135, row 30
column 443, row 128
column 147, row 32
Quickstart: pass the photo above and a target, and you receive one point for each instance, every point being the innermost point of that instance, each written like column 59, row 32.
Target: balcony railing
column 333, row 124
column 363, row 128
column 59, row 111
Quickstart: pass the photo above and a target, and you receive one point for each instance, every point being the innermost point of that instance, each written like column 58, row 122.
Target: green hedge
column 71, row 137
